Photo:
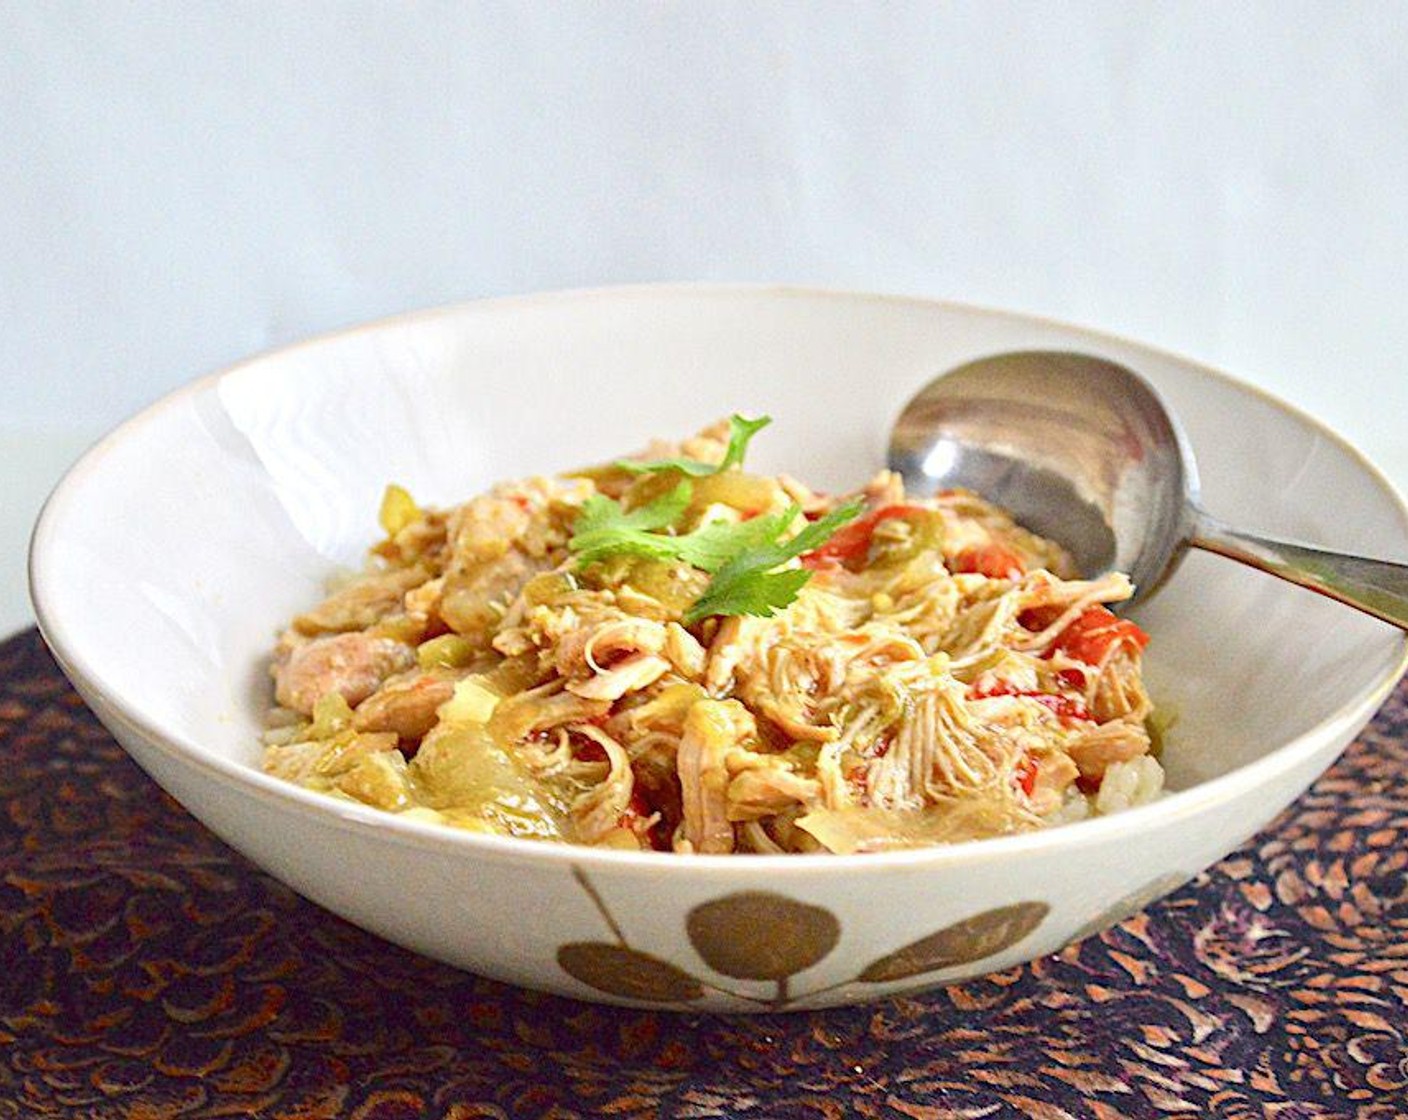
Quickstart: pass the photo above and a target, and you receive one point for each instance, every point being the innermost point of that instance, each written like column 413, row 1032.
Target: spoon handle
column 1376, row 587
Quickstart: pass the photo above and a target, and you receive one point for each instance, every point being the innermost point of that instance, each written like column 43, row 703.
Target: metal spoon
column 1083, row 451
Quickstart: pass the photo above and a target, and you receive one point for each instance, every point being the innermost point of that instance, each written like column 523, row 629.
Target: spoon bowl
column 1082, row 450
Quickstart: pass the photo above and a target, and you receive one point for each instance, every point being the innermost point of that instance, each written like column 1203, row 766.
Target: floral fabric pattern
column 148, row 972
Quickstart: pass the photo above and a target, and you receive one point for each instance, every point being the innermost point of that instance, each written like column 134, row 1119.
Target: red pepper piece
column 1072, row 678
column 1026, row 774
column 850, row 544
column 993, row 560
column 1092, row 636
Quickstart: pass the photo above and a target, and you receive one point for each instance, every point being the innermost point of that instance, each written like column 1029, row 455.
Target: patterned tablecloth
column 147, row 971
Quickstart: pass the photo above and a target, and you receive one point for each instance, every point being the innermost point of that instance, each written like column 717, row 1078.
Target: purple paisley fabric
column 148, row 972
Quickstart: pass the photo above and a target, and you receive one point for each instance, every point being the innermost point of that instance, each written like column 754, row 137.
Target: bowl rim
column 245, row 781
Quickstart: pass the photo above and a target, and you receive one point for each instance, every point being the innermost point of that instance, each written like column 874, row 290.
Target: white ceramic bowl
column 165, row 561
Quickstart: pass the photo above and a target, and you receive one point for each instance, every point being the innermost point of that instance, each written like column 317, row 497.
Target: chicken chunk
column 353, row 665
column 712, row 729
column 361, row 603
column 498, row 542
column 1101, row 747
column 406, row 704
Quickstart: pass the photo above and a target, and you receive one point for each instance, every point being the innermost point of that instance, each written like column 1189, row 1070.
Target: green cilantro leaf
column 744, row 558
column 604, row 528
column 741, row 431
column 754, row 592
column 714, row 544
column 747, row 583
column 818, row 532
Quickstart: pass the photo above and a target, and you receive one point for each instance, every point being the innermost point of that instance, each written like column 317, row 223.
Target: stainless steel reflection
column 1082, row 450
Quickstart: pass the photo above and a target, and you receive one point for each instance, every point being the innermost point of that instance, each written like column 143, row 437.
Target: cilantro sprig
column 744, row 558
column 604, row 528
column 748, row 582
column 741, row 431
column 741, row 556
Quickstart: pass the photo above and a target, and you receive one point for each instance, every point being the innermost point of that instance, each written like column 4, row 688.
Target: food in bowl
column 672, row 653
column 165, row 556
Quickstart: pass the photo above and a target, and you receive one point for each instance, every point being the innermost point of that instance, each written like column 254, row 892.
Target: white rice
column 1126, row 784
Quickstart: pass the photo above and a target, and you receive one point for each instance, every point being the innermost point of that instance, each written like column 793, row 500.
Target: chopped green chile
column 466, row 770
column 549, row 588
column 331, row 716
column 898, row 540
column 673, row 584
column 448, row 651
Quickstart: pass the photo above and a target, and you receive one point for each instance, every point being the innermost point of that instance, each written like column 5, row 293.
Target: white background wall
column 182, row 184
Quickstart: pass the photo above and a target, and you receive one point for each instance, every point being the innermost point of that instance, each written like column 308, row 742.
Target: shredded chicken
column 712, row 730
column 598, row 811
column 940, row 675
